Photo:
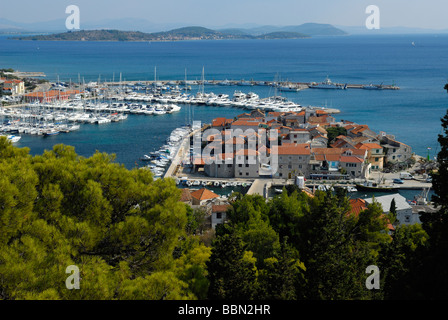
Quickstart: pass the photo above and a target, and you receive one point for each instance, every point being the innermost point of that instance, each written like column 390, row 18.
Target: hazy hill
column 186, row 33
column 311, row 29
column 316, row 29
column 282, row 35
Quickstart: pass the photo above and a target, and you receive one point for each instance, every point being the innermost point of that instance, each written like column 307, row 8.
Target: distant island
column 186, row 33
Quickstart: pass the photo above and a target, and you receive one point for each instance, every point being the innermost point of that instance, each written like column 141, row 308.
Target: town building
column 202, row 196
column 405, row 215
column 219, row 214
column 13, row 87
column 293, row 160
column 394, row 151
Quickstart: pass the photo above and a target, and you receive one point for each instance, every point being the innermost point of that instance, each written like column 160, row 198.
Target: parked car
column 398, row 181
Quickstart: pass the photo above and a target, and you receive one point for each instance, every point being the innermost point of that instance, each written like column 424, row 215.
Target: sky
column 408, row 13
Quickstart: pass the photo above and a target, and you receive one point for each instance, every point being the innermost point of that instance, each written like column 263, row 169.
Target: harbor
column 59, row 111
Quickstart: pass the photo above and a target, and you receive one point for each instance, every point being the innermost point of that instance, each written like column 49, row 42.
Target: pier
column 282, row 85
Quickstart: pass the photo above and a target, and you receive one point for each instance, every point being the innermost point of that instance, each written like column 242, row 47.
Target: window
column 407, row 218
column 377, row 159
column 280, row 174
column 289, row 166
column 229, row 166
column 218, row 215
column 247, row 173
column 240, row 165
column 247, row 165
column 219, row 166
column 241, row 173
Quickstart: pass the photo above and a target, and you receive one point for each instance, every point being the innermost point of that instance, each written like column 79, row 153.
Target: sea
column 418, row 64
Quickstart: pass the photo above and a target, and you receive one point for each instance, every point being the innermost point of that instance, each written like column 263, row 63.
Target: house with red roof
column 293, row 160
column 201, row 196
column 357, row 206
column 395, row 151
column 245, row 124
column 13, row 87
column 221, row 123
column 336, row 163
column 219, row 214
column 375, row 154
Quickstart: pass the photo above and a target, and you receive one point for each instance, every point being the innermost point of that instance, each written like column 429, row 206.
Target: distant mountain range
column 311, row 29
column 145, row 26
column 249, row 29
column 186, row 33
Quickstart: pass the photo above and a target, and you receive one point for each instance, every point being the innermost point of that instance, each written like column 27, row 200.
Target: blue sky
column 409, row 13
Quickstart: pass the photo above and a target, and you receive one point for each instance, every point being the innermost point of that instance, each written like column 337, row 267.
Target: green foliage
column 232, row 270
column 303, row 248
column 118, row 226
column 435, row 224
column 401, row 262
column 333, row 132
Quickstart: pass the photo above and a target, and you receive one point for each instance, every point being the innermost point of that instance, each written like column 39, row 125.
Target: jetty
column 281, row 85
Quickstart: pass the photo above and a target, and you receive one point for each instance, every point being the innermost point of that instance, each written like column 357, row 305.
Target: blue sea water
column 412, row 114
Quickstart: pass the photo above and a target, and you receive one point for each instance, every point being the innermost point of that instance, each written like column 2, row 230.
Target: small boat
column 51, row 133
column 146, row 158
column 373, row 186
column 13, row 138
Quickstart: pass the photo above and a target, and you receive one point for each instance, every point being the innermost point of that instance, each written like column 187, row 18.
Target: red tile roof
column 351, row 159
column 245, row 123
column 368, row 146
column 360, row 128
column 220, row 208
column 220, row 122
column 294, row 149
column 204, row 194
column 357, row 205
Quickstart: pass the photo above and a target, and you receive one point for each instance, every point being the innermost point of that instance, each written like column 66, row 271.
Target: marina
column 100, row 104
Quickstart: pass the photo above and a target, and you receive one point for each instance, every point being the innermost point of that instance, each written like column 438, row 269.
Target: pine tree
column 231, row 269
column 436, row 224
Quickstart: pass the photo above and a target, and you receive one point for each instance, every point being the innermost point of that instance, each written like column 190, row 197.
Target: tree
column 393, row 212
column 119, row 227
column 231, row 269
column 283, row 276
column 400, row 263
column 333, row 132
column 436, row 223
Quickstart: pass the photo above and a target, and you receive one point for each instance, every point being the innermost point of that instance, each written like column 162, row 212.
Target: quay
column 282, row 85
column 23, row 74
